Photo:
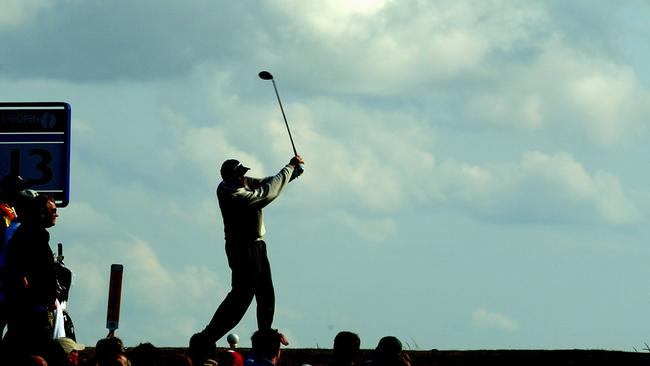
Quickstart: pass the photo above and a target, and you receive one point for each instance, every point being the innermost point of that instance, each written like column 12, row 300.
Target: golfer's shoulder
column 226, row 189
column 226, row 192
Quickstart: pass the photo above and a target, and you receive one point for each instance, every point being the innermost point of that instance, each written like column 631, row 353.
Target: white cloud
column 150, row 289
column 370, row 153
column 487, row 319
column 17, row 13
column 89, row 291
column 369, row 230
column 562, row 89
column 511, row 64
column 541, row 188
column 612, row 104
column 411, row 46
column 153, row 291
column 83, row 219
column 519, row 112
column 360, row 156
column 333, row 17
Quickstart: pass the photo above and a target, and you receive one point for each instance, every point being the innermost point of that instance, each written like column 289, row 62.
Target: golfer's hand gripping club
column 297, row 162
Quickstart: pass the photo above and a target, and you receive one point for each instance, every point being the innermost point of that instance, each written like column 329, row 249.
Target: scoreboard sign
column 35, row 144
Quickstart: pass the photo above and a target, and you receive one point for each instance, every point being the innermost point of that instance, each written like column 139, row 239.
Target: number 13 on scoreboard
column 35, row 144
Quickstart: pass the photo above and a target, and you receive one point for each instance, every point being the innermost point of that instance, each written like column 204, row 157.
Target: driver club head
column 265, row 75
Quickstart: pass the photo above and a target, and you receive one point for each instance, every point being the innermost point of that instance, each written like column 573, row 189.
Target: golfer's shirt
column 241, row 207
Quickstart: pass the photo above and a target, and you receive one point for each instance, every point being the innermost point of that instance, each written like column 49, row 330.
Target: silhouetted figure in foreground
column 31, row 281
column 10, row 188
column 241, row 200
column 346, row 349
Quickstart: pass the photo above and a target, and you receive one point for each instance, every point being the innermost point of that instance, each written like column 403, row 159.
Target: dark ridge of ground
column 321, row 357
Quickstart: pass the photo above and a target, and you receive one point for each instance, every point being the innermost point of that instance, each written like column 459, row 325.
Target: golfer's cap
column 232, row 168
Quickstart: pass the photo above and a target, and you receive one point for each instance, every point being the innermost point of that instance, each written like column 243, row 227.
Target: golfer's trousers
column 251, row 277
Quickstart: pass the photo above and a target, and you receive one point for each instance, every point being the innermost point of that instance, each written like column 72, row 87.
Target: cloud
column 163, row 293
column 369, row 153
column 360, row 155
column 497, row 64
column 334, row 17
column 494, row 64
column 541, row 188
column 486, row 319
column 562, row 89
column 421, row 45
column 612, row 104
column 369, row 230
column 595, row 30
column 18, row 13
column 151, row 291
column 121, row 40
column 85, row 220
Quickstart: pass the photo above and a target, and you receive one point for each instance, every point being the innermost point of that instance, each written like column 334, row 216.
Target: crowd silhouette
column 265, row 351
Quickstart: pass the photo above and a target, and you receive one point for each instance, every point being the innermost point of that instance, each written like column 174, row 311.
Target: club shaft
column 285, row 117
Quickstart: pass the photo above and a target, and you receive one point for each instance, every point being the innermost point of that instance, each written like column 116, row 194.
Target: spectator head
column 110, row 352
column 388, row 351
column 144, row 354
column 201, row 349
column 266, row 344
column 39, row 210
column 65, row 351
column 230, row 358
column 346, row 348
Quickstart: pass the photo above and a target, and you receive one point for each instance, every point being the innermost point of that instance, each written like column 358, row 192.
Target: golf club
column 265, row 75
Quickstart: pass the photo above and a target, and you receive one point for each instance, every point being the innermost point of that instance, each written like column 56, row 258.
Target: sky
column 476, row 172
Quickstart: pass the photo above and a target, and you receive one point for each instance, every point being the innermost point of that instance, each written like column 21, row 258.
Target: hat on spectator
column 69, row 345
